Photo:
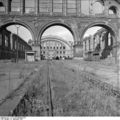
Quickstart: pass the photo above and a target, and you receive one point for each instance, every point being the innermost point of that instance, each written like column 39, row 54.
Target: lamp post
column 17, row 57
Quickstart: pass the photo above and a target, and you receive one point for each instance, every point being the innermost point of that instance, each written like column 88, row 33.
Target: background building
column 53, row 47
column 101, row 43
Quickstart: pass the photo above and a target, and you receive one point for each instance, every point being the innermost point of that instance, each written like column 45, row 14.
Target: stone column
column 7, row 6
column 93, row 43
column 64, row 7
column 99, row 41
column 106, row 10
column 84, row 50
column 89, row 45
column 118, row 60
column 36, row 7
column 109, row 39
column 83, row 46
column 22, row 6
column 86, row 45
column 78, row 4
column 101, row 44
column 51, row 7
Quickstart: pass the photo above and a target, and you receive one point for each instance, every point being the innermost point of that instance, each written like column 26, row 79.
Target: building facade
column 66, row 7
column 53, row 47
column 38, row 15
column 101, row 42
column 12, row 46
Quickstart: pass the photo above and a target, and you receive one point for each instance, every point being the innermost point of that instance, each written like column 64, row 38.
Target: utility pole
column 17, row 27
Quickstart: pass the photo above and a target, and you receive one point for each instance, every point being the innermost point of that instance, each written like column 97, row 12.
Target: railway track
column 60, row 90
column 44, row 103
column 49, row 90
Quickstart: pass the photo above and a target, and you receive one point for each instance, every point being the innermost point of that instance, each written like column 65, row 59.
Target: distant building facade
column 53, row 47
column 101, row 41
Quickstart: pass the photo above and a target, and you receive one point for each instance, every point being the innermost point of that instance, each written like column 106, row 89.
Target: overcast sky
column 91, row 31
column 22, row 32
column 59, row 31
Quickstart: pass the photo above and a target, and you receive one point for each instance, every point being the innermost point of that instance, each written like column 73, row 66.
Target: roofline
column 55, row 38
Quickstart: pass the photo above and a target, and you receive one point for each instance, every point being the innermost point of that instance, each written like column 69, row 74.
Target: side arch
column 52, row 23
column 102, row 24
column 11, row 22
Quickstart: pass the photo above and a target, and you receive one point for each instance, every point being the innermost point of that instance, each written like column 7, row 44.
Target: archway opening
column 57, row 42
column 15, row 40
column 113, row 10
column 97, row 6
column 99, row 43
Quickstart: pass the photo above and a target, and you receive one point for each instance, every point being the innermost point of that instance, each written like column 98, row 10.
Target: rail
column 49, row 90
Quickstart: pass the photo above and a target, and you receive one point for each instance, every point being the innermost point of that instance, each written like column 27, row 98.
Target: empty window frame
column 44, row 6
column 85, row 7
column 15, row 5
column 0, row 39
column 113, row 10
column 6, row 41
column 71, row 6
column 30, row 6
column 63, row 47
column 2, row 6
column 58, row 6
column 97, row 6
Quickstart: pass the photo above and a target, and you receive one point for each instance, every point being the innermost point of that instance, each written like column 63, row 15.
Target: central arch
column 55, row 47
column 59, row 39
column 53, row 23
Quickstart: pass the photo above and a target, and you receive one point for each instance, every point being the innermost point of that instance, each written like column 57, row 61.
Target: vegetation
column 73, row 95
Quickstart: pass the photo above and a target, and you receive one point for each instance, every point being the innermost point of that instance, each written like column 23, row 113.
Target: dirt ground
column 73, row 94
column 12, row 75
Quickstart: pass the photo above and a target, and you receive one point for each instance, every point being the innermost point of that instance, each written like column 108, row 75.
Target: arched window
column 6, row 41
column 57, row 6
column 97, row 7
column 113, row 10
column 109, row 39
column 2, row 6
column 85, row 7
column 71, row 6
column 15, row 5
column 30, row 6
column 0, row 39
column 44, row 6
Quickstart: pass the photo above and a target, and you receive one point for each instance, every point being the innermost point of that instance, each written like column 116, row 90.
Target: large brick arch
column 52, row 23
column 26, row 25
column 55, row 38
column 102, row 24
column 108, row 26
